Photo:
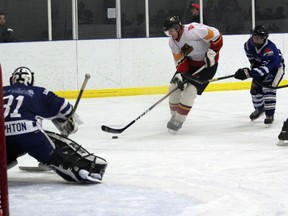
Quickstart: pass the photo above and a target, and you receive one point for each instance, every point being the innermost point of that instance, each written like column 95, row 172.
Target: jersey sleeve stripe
column 265, row 69
column 210, row 35
column 217, row 40
column 177, row 56
column 68, row 112
column 66, row 109
column 258, row 71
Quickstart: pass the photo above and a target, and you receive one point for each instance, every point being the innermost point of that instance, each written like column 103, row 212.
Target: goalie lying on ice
column 24, row 104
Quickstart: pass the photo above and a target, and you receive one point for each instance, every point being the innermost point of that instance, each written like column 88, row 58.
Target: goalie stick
column 120, row 130
column 40, row 168
column 87, row 77
column 74, row 116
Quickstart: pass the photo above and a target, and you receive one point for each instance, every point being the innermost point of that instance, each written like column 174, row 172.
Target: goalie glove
column 178, row 80
column 242, row 73
column 210, row 58
column 66, row 127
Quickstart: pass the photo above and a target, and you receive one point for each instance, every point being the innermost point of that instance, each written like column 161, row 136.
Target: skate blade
column 268, row 125
column 252, row 120
column 282, row 143
column 172, row 132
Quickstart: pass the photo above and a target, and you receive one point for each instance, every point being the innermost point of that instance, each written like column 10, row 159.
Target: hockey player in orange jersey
column 195, row 47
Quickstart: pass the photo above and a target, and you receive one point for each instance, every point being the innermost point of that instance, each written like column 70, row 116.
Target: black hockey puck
column 114, row 137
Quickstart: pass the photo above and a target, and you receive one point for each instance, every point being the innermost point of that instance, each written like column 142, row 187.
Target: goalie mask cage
column 4, row 207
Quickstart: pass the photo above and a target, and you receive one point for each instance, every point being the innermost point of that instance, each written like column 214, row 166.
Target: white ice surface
column 220, row 163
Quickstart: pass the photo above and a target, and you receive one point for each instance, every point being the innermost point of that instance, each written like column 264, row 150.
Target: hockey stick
column 207, row 81
column 230, row 76
column 270, row 87
column 120, row 130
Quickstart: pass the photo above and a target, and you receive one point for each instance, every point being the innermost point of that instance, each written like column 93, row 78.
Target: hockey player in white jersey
column 194, row 46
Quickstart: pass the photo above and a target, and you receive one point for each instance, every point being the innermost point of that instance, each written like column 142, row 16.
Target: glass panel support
column 49, row 13
column 118, row 18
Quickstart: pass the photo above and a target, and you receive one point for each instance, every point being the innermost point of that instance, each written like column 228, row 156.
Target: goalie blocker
column 74, row 163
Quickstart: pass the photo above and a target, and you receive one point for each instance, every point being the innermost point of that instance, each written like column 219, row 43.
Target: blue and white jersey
column 23, row 105
column 265, row 60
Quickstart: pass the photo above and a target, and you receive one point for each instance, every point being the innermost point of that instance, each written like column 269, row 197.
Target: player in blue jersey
column 25, row 106
column 267, row 70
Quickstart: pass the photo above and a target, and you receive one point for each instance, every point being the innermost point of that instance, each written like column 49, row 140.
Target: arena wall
column 118, row 66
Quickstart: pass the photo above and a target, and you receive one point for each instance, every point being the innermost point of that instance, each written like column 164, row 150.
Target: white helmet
column 22, row 75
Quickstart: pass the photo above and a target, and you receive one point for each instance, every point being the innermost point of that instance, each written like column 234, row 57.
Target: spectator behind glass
column 85, row 16
column 5, row 33
column 195, row 10
column 279, row 14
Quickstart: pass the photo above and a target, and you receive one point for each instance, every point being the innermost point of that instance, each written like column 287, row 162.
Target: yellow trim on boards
column 152, row 90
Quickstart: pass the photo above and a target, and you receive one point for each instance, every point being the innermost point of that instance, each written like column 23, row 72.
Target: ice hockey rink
column 219, row 163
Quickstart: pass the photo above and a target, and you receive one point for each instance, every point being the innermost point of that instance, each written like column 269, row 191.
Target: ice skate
column 282, row 143
column 256, row 114
column 174, row 125
column 283, row 136
column 269, row 120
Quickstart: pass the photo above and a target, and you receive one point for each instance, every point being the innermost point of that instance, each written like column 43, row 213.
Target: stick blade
column 35, row 168
column 111, row 130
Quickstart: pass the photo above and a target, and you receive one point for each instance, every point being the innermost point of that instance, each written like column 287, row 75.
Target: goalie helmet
column 261, row 30
column 172, row 22
column 22, row 75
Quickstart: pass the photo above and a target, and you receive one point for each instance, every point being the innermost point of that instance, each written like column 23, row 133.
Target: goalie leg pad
column 74, row 163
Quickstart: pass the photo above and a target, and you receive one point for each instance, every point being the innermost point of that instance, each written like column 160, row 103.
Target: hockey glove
column 210, row 58
column 255, row 65
column 178, row 80
column 66, row 127
column 242, row 74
